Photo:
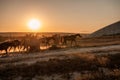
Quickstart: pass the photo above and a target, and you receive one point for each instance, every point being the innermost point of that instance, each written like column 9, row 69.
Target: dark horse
column 71, row 38
column 5, row 46
column 9, row 44
column 15, row 44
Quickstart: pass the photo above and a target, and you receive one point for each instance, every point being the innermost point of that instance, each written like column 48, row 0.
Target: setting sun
column 34, row 24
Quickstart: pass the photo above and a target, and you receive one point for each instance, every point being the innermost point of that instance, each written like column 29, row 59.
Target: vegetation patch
column 83, row 64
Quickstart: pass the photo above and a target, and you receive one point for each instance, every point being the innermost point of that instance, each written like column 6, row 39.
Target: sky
column 77, row 16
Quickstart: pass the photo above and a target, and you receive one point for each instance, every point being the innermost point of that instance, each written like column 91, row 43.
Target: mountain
column 112, row 29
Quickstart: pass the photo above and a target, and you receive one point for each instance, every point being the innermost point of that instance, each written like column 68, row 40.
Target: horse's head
column 78, row 35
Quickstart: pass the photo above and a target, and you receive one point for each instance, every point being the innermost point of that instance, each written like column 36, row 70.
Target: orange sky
column 81, row 16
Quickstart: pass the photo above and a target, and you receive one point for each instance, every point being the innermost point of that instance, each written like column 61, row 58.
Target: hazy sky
column 84, row 16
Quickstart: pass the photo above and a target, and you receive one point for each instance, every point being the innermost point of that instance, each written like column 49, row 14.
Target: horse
column 25, row 44
column 30, row 43
column 5, row 45
column 15, row 44
column 52, row 39
column 46, row 40
column 71, row 38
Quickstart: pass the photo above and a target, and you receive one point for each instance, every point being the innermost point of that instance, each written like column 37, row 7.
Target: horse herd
column 32, row 42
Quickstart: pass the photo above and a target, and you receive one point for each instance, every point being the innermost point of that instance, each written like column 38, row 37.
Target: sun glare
column 34, row 24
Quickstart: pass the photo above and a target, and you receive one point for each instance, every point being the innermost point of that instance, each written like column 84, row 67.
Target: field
column 92, row 59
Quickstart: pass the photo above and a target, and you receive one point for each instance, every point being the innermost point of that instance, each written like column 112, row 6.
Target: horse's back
column 4, row 45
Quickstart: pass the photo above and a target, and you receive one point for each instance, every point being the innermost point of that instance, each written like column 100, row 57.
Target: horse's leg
column 48, row 44
column 60, row 41
column 26, row 48
column 71, row 42
column 6, row 52
column 64, row 42
column 75, row 42
column 19, row 48
column 23, row 48
column 10, row 48
column 14, row 48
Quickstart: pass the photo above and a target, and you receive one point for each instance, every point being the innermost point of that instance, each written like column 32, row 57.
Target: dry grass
column 99, row 41
column 87, row 64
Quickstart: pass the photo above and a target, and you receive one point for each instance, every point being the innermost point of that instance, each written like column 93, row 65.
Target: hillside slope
column 108, row 30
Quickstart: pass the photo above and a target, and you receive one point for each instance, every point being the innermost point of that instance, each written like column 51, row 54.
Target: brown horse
column 71, row 38
column 47, row 40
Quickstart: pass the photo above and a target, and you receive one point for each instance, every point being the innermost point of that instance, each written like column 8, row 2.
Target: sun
column 34, row 24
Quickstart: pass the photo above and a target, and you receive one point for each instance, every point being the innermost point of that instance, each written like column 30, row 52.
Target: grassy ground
column 72, row 66
column 95, row 67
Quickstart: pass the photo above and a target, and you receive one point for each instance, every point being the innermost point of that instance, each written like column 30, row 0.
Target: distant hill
column 112, row 29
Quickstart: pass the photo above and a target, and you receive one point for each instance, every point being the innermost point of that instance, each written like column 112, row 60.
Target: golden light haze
column 80, row 16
